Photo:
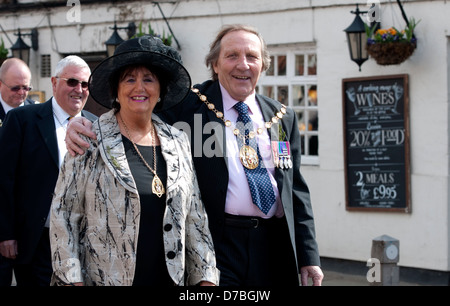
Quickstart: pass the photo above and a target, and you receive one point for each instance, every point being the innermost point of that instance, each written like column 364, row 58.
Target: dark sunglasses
column 18, row 87
column 74, row 82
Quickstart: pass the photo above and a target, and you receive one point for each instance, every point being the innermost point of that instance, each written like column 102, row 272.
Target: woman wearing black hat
column 129, row 212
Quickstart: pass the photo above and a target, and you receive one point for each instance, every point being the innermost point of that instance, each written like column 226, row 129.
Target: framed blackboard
column 376, row 143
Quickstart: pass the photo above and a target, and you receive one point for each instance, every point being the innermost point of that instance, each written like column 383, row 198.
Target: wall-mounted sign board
column 376, row 143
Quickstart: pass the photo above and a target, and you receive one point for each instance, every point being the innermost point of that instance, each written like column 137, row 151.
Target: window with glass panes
column 292, row 80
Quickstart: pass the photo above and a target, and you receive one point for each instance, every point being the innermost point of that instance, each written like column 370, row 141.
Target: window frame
column 290, row 80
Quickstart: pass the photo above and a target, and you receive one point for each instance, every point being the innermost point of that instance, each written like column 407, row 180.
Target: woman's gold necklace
column 157, row 185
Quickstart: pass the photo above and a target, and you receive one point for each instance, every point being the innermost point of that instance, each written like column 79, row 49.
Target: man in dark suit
column 15, row 83
column 32, row 142
column 254, row 246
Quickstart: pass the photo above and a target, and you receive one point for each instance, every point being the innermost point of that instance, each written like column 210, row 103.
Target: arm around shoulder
column 74, row 142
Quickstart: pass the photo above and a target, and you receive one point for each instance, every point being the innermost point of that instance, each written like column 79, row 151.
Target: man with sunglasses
column 15, row 80
column 32, row 150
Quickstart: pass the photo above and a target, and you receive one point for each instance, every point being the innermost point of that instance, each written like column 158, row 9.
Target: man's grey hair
column 214, row 52
column 71, row 60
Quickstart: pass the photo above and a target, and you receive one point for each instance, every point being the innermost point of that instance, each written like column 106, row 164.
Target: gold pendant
column 249, row 157
column 157, row 187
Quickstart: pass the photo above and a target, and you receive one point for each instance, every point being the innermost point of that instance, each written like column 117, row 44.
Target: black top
column 151, row 267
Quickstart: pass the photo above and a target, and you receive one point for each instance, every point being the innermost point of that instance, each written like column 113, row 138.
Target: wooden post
column 386, row 250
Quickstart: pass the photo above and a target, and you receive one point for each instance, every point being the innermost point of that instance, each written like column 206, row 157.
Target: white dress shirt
column 239, row 200
column 61, row 120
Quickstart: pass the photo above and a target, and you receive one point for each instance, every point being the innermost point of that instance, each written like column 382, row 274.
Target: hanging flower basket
column 391, row 46
column 391, row 53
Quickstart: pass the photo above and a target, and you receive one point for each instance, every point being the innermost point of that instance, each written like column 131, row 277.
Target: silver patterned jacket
column 95, row 213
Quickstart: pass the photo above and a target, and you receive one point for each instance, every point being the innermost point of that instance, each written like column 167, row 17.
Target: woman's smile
column 139, row 98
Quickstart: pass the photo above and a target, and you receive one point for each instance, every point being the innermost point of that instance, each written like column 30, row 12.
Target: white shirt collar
column 59, row 113
column 6, row 107
column 229, row 102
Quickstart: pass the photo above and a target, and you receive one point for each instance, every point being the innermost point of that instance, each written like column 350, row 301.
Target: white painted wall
column 424, row 233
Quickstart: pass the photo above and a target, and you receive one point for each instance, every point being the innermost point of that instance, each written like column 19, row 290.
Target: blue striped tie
column 258, row 179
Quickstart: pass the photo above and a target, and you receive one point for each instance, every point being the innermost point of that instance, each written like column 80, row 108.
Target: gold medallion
column 157, row 186
column 249, row 157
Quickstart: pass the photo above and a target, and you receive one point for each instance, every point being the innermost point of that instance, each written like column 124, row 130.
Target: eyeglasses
column 18, row 87
column 74, row 82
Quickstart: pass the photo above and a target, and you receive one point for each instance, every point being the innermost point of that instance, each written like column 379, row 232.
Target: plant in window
column 166, row 39
column 391, row 46
column 3, row 51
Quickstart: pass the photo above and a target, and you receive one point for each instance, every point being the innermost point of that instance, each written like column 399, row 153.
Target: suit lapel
column 2, row 113
column 112, row 150
column 46, row 126
column 269, row 109
column 214, row 96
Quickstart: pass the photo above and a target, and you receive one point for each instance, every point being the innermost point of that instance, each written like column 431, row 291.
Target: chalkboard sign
column 376, row 143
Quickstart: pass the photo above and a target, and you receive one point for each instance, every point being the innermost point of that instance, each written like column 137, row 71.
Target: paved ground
column 351, row 273
column 333, row 278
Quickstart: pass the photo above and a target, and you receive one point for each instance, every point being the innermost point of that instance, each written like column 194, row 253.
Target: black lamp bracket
column 34, row 37
column 358, row 12
column 131, row 29
column 374, row 23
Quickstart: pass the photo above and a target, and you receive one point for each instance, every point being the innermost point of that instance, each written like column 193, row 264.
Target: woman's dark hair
column 120, row 73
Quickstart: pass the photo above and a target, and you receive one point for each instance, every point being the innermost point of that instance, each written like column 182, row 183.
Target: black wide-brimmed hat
column 148, row 51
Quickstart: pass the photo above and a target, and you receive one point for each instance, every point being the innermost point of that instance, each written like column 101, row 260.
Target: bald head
column 13, row 64
column 14, row 72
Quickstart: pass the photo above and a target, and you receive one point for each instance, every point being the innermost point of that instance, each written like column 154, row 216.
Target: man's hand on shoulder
column 74, row 143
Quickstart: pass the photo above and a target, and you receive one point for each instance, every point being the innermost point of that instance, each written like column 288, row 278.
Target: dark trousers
column 6, row 271
column 39, row 271
column 256, row 252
